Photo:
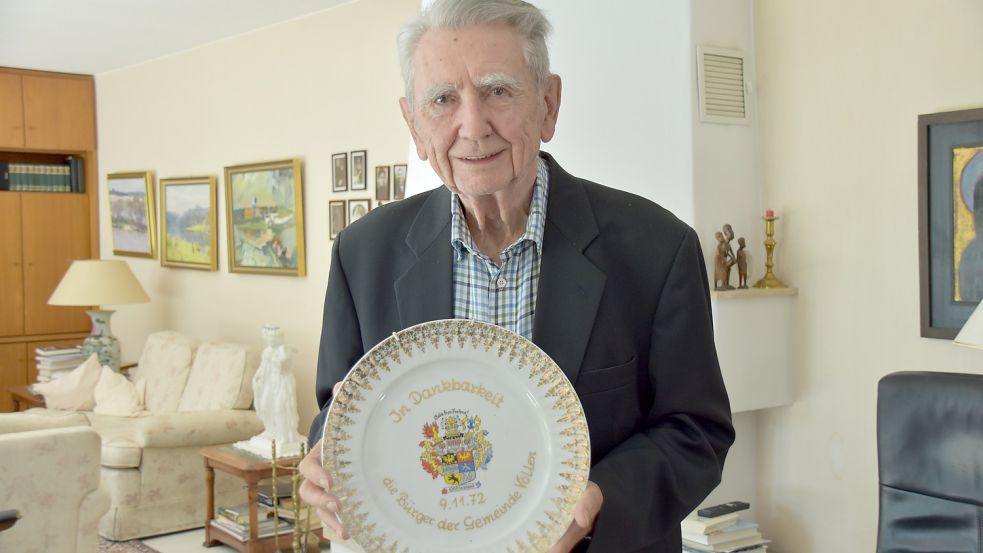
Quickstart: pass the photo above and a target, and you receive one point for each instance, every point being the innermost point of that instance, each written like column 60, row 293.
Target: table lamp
column 99, row 282
column 971, row 334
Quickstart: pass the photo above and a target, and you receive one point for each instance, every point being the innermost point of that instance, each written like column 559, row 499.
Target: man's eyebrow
column 434, row 92
column 494, row 80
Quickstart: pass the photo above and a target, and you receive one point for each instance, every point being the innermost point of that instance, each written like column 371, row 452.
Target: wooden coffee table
column 252, row 469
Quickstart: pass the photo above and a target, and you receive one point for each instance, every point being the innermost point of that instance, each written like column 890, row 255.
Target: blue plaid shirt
column 503, row 295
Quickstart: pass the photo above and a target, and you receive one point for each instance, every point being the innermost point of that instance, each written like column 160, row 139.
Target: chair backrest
column 930, row 462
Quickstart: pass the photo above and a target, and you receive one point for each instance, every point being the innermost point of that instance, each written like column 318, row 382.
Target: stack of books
column 726, row 533
column 285, row 503
column 266, row 495
column 235, row 520
column 55, row 362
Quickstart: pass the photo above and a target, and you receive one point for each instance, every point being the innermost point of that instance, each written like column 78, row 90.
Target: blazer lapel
column 570, row 286
column 423, row 292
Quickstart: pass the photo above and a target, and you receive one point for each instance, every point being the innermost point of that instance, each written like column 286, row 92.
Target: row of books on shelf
column 43, row 177
column 726, row 533
column 55, row 362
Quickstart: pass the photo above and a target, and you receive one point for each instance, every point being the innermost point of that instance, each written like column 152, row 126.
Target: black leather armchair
column 930, row 460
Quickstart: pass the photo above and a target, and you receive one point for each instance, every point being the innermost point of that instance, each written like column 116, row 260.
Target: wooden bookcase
column 44, row 118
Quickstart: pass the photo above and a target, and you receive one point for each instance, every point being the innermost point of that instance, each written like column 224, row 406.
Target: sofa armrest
column 40, row 419
column 199, row 428
column 93, row 506
column 49, row 475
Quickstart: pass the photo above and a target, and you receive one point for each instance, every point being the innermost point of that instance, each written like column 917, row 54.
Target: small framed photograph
column 132, row 213
column 337, row 217
column 950, row 214
column 359, row 165
column 339, row 172
column 358, row 209
column 382, row 182
column 399, row 181
column 188, row 223
column 264, row 215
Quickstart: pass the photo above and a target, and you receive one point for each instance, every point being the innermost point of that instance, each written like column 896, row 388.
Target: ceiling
column 96, row 36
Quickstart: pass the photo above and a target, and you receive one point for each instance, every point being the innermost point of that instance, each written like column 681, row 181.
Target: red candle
column 769, row 213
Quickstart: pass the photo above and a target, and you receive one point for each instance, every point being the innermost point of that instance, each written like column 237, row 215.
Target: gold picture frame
column 264, row 208
column 132, row 213
column 189, row 223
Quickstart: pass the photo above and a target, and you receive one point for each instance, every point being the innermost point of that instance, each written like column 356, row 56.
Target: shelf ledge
column 752, row 293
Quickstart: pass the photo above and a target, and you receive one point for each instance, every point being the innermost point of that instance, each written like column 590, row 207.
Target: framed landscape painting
column 264, row 208
column 131, row 213
column 950, row 219
column 188, row 223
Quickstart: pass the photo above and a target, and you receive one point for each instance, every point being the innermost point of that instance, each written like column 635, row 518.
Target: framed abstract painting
column 950, row 219
column 264, row 210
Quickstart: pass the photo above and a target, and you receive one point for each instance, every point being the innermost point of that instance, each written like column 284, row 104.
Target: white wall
column 308, row 88
column 624, row 118
column 840, row 85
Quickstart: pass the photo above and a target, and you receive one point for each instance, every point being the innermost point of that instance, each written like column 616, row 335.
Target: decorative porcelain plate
column 456, row 436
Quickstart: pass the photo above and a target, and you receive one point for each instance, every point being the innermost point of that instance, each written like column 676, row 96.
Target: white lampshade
column 98, row 282
column 971, row 334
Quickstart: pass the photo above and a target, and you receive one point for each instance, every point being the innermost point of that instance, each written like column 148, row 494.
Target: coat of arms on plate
column 455, row 448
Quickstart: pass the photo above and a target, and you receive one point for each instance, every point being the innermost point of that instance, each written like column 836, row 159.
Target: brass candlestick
column 769, row 280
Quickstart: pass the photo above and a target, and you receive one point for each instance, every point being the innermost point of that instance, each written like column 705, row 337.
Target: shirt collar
column 461, row 239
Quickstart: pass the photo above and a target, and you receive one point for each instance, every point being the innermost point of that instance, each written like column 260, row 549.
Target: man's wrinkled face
column 478, row 114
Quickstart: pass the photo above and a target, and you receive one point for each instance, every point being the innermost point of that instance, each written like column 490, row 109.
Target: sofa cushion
column 115, row 395
column 164, row 365
column 220, row 378
column 74, row 391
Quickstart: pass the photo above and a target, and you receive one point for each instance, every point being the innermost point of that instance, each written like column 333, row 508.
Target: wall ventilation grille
column 723, row 94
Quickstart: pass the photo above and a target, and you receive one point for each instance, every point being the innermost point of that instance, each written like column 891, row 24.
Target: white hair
column 525, row 18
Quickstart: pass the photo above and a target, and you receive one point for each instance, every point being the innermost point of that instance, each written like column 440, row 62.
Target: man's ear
column 404, row 107
column 551, row 95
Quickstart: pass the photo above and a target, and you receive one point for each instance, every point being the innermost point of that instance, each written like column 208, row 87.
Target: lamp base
column 101, row 340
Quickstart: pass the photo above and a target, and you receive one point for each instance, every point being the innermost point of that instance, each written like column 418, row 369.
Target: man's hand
column 315, row 490
column 584, row 514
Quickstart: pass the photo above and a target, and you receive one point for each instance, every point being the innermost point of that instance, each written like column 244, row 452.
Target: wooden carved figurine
column 741, row 264
column 722, row 264
column 731, row 258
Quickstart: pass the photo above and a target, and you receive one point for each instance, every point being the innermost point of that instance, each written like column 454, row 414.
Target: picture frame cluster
column 263, row 209
column 349, row 174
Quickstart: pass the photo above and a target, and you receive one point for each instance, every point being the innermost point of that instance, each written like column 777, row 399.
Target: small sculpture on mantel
column 275, row 399
column 722, row 264
column 725, row 259
column 741, row 264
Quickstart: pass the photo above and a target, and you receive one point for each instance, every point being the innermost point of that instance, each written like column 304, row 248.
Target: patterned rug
column 132, row 546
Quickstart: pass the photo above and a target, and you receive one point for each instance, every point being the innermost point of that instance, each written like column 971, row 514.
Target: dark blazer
column 623, row 308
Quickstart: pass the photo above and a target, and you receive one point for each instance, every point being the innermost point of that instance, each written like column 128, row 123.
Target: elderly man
column 609, row 284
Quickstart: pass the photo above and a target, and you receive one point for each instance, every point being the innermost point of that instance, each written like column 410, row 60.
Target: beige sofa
column 52, row 477
column 196, row 396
